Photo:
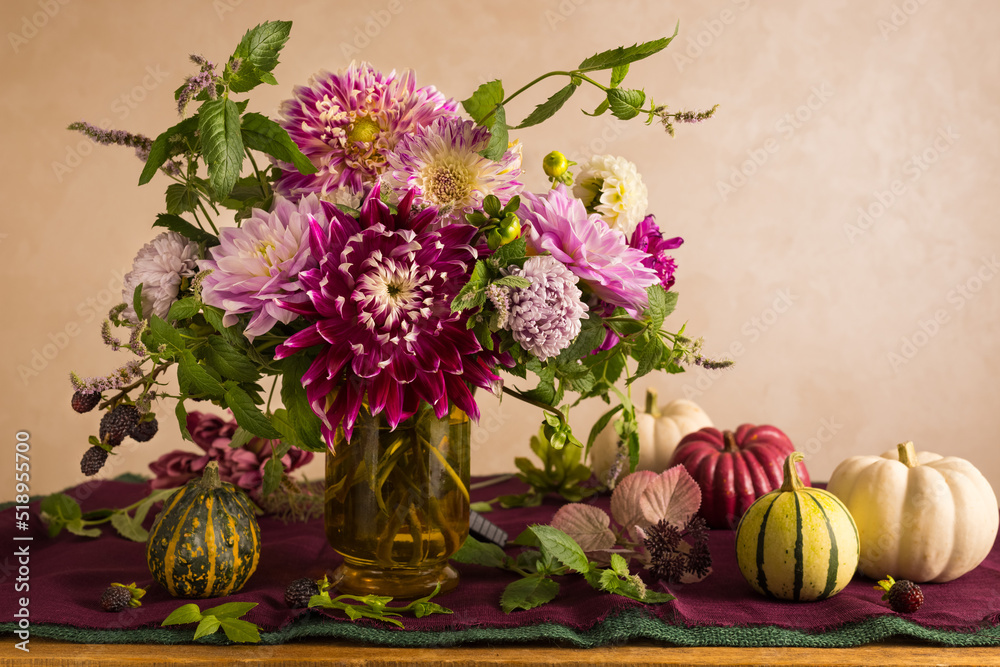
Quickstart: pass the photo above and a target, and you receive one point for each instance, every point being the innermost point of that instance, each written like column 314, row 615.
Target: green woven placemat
column 631, row 625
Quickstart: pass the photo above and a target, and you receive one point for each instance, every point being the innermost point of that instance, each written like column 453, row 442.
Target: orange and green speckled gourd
column 205, row 543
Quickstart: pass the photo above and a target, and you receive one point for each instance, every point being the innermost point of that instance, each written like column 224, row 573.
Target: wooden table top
column 51, row 653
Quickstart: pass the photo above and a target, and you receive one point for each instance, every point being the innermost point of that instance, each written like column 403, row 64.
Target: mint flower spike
column 139, row 142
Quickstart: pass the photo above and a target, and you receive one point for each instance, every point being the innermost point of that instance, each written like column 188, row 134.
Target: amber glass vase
column 397, row 503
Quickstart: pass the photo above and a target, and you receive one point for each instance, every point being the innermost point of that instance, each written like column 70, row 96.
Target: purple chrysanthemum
column 648, row 238
column 558, row 224
column 348, row 123
column 257, row 266
column 380, row 306
column 441, row 162
column 545, row 316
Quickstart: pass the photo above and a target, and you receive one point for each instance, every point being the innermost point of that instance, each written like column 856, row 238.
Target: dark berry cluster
column 124, row 420
column 668, row 560
column 299, row 591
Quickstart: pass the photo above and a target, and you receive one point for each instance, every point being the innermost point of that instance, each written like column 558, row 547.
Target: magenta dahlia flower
column 380, row 306
column 348, row 123
column 557, row 223
column 441, row 162
column 257, row 265
column 648, row 238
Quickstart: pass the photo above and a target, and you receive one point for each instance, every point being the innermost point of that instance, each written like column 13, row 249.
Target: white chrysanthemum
column 159, row 268
column 441, row 163
column 611, row 187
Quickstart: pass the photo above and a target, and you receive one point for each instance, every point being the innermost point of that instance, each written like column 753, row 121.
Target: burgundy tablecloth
column 67, row 575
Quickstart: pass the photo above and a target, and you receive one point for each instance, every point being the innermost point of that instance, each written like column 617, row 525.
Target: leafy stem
column 144, row 380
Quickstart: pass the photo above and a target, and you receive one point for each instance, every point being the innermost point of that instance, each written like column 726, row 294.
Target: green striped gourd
column 797, row 542
column 205, row 542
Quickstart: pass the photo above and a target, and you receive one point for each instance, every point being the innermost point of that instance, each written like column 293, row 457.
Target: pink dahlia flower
column 257, row 265
column 348, row 123
column 241, row 466
column 557, row 223
column 648, row 238
column 380, row 306
column 441, row 162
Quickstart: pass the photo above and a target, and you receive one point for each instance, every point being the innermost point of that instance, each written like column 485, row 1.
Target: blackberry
column 92, row 461
column 904, row 596
column 85, row 402
column 115, row 598
column 144, row 431
column 118, row 423
column 299, row 591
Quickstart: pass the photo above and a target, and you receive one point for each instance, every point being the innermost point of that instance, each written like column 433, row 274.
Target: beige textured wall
column 851, row 333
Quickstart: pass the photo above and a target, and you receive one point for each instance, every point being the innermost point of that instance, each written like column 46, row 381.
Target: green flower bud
column 555, row 164
column 510, row 229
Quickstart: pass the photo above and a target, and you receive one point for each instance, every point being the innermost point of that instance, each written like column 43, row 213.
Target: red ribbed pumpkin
column 734, row 469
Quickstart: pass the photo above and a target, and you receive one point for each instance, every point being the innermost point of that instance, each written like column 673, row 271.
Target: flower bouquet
column 373, row 257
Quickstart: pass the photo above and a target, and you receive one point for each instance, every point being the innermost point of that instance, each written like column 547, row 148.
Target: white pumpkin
column 660, row 429
column 921, row 517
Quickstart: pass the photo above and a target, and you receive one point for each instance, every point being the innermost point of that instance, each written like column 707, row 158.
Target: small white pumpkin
column 921, row 517
column 660, row 429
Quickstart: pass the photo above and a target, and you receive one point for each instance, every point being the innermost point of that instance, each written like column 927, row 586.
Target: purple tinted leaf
column 625, row 501
column 586, row 524
column 673, row 496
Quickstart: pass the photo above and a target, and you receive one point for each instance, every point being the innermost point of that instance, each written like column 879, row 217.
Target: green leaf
column 208, row 625
column 661, row 304
column 513, row 250
column 656, row 597
column 547, row 109
column 475, row 552
column 137, row 301
column 181, row 198
column 194, row 380
column 241, row 436
column 58, row 510
column 181, row 413
column 230, row 609
column 273, row 470
column 184, row 308
column 624, row 55
column 261, row 45
column 77, row 528
column 486, row 98
column 222, row 142
column 232, row 335
column 247, row 414
column 619, row 564
column 498, row 136
column 601, row 108
column 625, row 103
column 618, row 75
column 513, row 281
column 300, row 412
column 562, row 547
column 165, row 146
column 528, row 593
column 260, row 133
column 649, row 357
column 600, row 424
column 128, row 527
column 164, row 334
column 229, row 361
column 188, row 613
column 178, row 224
column 240, row 631
column 423, row 608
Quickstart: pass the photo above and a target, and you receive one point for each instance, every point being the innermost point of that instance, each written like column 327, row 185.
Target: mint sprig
column 553, row 553
column 375, row 606
column 60, row 512
column 226, row 616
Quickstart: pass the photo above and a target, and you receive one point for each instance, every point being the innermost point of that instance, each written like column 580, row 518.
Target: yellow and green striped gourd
column 797, row 542
column 205, row 543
